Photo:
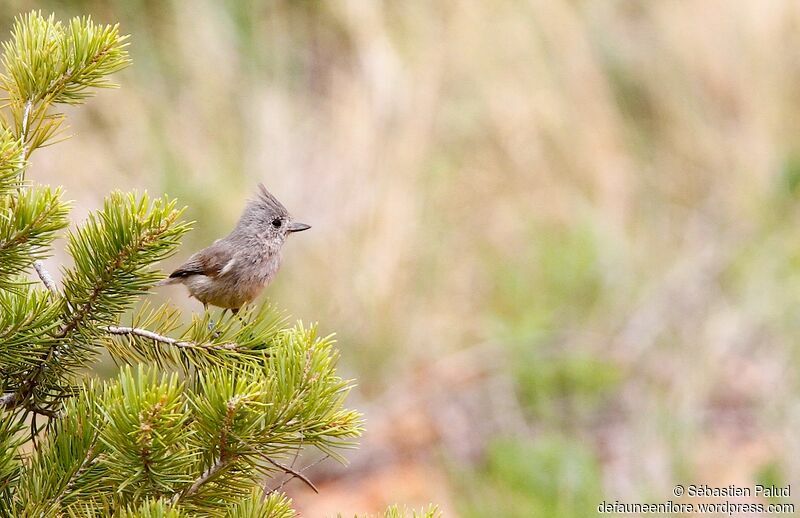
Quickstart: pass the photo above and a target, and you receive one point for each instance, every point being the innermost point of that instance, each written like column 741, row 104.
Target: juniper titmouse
column 233, row 270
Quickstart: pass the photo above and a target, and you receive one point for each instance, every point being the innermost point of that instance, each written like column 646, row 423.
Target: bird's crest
column 266, row 198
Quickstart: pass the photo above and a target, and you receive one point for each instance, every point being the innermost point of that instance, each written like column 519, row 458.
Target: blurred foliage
column 536, row 295
column 547, row 477
column 552, row 279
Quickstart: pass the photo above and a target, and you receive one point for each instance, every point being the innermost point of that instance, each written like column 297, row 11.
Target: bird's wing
column 210, row 262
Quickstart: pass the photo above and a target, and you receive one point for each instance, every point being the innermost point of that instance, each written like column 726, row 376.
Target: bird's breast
column 259, row 270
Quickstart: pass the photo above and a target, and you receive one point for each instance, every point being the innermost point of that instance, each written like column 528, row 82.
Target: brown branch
column 16, row 400
column 279, row 487
column 293, row 472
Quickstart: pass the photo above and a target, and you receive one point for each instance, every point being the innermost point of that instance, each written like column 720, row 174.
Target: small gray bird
column 235, row 269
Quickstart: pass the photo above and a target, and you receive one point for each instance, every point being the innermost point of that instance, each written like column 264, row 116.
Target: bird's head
column 265, row 216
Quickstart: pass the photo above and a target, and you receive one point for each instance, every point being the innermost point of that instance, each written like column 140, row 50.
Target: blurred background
column 558, row 240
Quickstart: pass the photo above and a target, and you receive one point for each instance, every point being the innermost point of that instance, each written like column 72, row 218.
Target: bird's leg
column 235, row 312
column 211, row 323
column 210, row 320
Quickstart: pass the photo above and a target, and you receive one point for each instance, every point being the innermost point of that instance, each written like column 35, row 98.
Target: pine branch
column 203, row 344
column 11, row 163
column 153, row 509
column 396, row 512
column 29, row 223
column 291, row 399
column 253, row 506
column 197, row 445
column 83, row 466
column 107, row 277
column 150, row 335
column 110, row 273
column 47, row 63
column 10, row 465
column 28, row 317
column 147, row 447
column 63, row 471
column 45, row 277
column 256, row 505
column 206, row 476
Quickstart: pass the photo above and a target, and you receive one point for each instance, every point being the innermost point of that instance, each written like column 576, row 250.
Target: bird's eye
column 277, row 222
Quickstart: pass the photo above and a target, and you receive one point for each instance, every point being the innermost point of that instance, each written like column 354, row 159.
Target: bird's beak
column 297, row 227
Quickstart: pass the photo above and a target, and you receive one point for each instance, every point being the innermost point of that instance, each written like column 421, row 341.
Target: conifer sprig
column 193, row 444
column 64, row 470
column 28, row 319
column 156, row 336
column 11, row 161
column 46, row 63
column 29, row 222
column 113, row 251
column 11, row 439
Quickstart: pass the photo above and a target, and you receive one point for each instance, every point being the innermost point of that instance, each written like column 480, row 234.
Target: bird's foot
column 212, row 325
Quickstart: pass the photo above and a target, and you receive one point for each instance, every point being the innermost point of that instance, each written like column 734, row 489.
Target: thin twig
column 294, row 461
column 293, row 472
column 268, row 491
column 45, row 412
column 145, row 333
column 297, row 451
column 44, row 275
column 34, row 432
column 24, row 131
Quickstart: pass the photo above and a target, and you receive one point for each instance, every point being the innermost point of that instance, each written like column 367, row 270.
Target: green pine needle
column 113, row 254
column 28, row 318
column 47, row 63
column 11, row 162
column 29, row 222
column 147, row 438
